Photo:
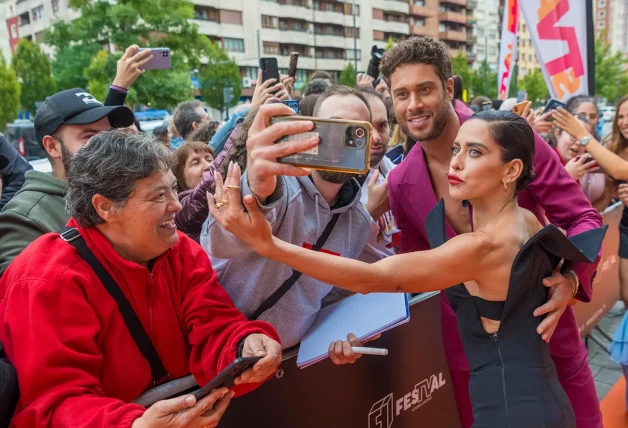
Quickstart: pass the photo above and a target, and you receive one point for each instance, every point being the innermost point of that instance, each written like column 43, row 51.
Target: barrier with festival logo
column 410, row 387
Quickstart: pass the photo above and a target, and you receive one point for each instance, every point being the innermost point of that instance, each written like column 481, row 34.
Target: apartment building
column 527, row 61
column 611, row 23
column 8, row 28
column 328, row 34
column 487, row 21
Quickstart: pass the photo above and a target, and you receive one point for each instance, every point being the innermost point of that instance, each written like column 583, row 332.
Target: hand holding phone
column 553, row 104
column 227, row 377
column 522, row 109
column 344, row 145
column 160, row 61
column 270, row 70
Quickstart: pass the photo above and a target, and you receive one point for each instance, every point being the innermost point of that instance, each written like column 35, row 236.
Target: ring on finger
column 231, row 186
column 221, row 203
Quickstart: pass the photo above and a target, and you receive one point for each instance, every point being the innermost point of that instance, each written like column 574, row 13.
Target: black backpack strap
column 143, row 342
column 288, row 283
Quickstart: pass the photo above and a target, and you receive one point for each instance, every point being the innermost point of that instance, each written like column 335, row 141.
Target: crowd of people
column 209, row 239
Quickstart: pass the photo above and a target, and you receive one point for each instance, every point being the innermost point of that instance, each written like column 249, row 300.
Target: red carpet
column 614, row 406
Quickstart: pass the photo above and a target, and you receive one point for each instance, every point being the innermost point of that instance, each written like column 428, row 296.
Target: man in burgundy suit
column 418, row 73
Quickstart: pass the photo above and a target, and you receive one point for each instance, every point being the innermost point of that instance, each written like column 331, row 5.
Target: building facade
column 326, row 33
column 611, row 23
column 527, row 62
column 488, row 28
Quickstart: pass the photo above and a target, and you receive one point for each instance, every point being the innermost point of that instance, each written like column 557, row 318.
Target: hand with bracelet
column 608, row 161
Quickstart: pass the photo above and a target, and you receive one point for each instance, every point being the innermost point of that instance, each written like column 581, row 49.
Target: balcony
column 391, row 26
column 423, row 11
column 457, row 2
column 419, row 30
column 471, row 56
column 472, row 4
column 471, row 21
column 453, row 36
column 398, row 6
column 282, row 36
column 471, row 39
column 337, row 18
column 334, row 41
column 211, row 28
column 458, row 18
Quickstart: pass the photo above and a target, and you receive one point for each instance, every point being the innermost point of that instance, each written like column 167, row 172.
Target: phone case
column 160, row 61
column 553, row 104
column 337, row 151
column 227, row 376
column 292, row 66
column 269, row 69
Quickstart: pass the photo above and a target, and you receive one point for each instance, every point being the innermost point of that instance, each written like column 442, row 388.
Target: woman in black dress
column 492, row 276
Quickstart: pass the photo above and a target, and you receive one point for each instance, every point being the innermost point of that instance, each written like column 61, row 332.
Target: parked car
column 21, row 134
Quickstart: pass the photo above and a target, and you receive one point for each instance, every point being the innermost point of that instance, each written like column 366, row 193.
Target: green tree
column 219, row 73
column 535, row 86
column 460, row 67
column 609, row 73
column 484, row 82
column 34, row 70
column 347, row 76
column 155, row 88
column 9, row 93
column 389, row 43
column 70, row 63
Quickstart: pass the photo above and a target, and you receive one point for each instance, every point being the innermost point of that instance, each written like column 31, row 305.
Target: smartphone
column 292, row 66
column 269, row 70
column 293, row 104
column 520, row 108
column 160, row 61
column 344, row 145
column 396, row 154
column 227, row 376
column 553, row 104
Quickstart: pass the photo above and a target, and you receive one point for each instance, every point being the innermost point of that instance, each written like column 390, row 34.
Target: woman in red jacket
column 77, row 363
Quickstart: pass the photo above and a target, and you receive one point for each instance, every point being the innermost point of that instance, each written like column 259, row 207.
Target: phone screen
column 293, row 104
column 227, row 376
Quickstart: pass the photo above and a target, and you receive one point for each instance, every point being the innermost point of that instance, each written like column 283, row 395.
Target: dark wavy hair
column 515, row 138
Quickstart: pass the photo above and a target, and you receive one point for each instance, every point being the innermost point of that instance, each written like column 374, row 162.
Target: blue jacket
column 220, row 138
column 13, row 174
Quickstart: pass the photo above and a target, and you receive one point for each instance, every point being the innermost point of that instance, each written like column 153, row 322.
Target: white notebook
column 364, row 315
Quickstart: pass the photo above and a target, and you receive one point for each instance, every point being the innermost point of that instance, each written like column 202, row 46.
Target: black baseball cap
column 4, row 162
column 77, row 107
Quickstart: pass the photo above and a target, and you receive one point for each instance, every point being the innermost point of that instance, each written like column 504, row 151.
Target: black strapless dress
column 513, row 378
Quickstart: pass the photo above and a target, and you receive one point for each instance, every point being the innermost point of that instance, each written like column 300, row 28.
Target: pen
column 369, row 351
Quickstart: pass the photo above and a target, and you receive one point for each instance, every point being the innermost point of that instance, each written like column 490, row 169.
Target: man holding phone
column 300, row 208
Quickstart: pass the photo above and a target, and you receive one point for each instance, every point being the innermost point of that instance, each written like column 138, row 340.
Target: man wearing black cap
column 65, row 122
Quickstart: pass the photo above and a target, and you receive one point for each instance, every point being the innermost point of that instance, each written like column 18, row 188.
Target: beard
column 335, row 177
column 439, row 120
column 66, row 158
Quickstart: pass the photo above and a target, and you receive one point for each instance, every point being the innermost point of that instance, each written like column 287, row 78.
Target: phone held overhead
column 160, row 61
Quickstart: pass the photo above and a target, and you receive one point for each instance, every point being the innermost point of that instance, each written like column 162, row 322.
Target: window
column 480, row 50
column 25, row 19
column 38, row 13
column 350, row 54
column 529, row 57
column 271, row 48
column 480, row 32
column 269, row 21
column 419, row 2
column 203, row 13
column 251, row 73
column 55, row 6
column 349, row 32
column 441, row 28
column 297, row 26
column 233, row 45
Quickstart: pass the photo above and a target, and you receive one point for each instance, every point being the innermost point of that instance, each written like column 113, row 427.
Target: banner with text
column 561, row 49
column 508, row 49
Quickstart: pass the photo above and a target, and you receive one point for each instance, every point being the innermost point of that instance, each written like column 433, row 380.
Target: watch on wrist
column 584, row 141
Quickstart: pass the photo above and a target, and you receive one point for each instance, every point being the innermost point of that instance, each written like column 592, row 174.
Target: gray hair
column 185, row 115
column 316, row 86
column 110, row 165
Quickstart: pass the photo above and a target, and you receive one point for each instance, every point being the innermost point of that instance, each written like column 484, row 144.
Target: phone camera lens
column 350, row 142
column 359, row 132
column 360, row 143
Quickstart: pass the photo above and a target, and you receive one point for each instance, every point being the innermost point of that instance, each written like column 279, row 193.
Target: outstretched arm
column 458, row 260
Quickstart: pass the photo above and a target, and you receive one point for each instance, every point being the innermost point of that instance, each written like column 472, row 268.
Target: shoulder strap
column 158, row 372
column 288, row 283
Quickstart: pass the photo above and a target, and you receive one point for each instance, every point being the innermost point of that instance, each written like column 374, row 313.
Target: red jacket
column 76, row 361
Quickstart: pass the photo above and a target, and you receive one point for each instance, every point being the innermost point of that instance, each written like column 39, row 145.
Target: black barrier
column 410, row 387
column 606, row 282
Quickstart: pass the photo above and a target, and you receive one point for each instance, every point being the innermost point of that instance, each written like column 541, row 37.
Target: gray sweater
column 298, row 214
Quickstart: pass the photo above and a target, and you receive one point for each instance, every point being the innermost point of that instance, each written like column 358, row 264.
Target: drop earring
column 505, row 186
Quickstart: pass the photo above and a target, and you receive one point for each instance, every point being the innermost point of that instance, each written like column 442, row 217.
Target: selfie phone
column 160, row 61
column 520, row 108
column 269, row 70
column 344, row 145
column 227, row 376
column 396, row 154
column 293, row 104
column 553, row 104
column 487, row 105
column 292, row 66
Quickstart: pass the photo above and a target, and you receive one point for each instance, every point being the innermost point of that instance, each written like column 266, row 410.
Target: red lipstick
column 454, row 179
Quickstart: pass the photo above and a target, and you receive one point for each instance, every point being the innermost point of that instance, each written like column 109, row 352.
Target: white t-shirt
column 384, row 233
